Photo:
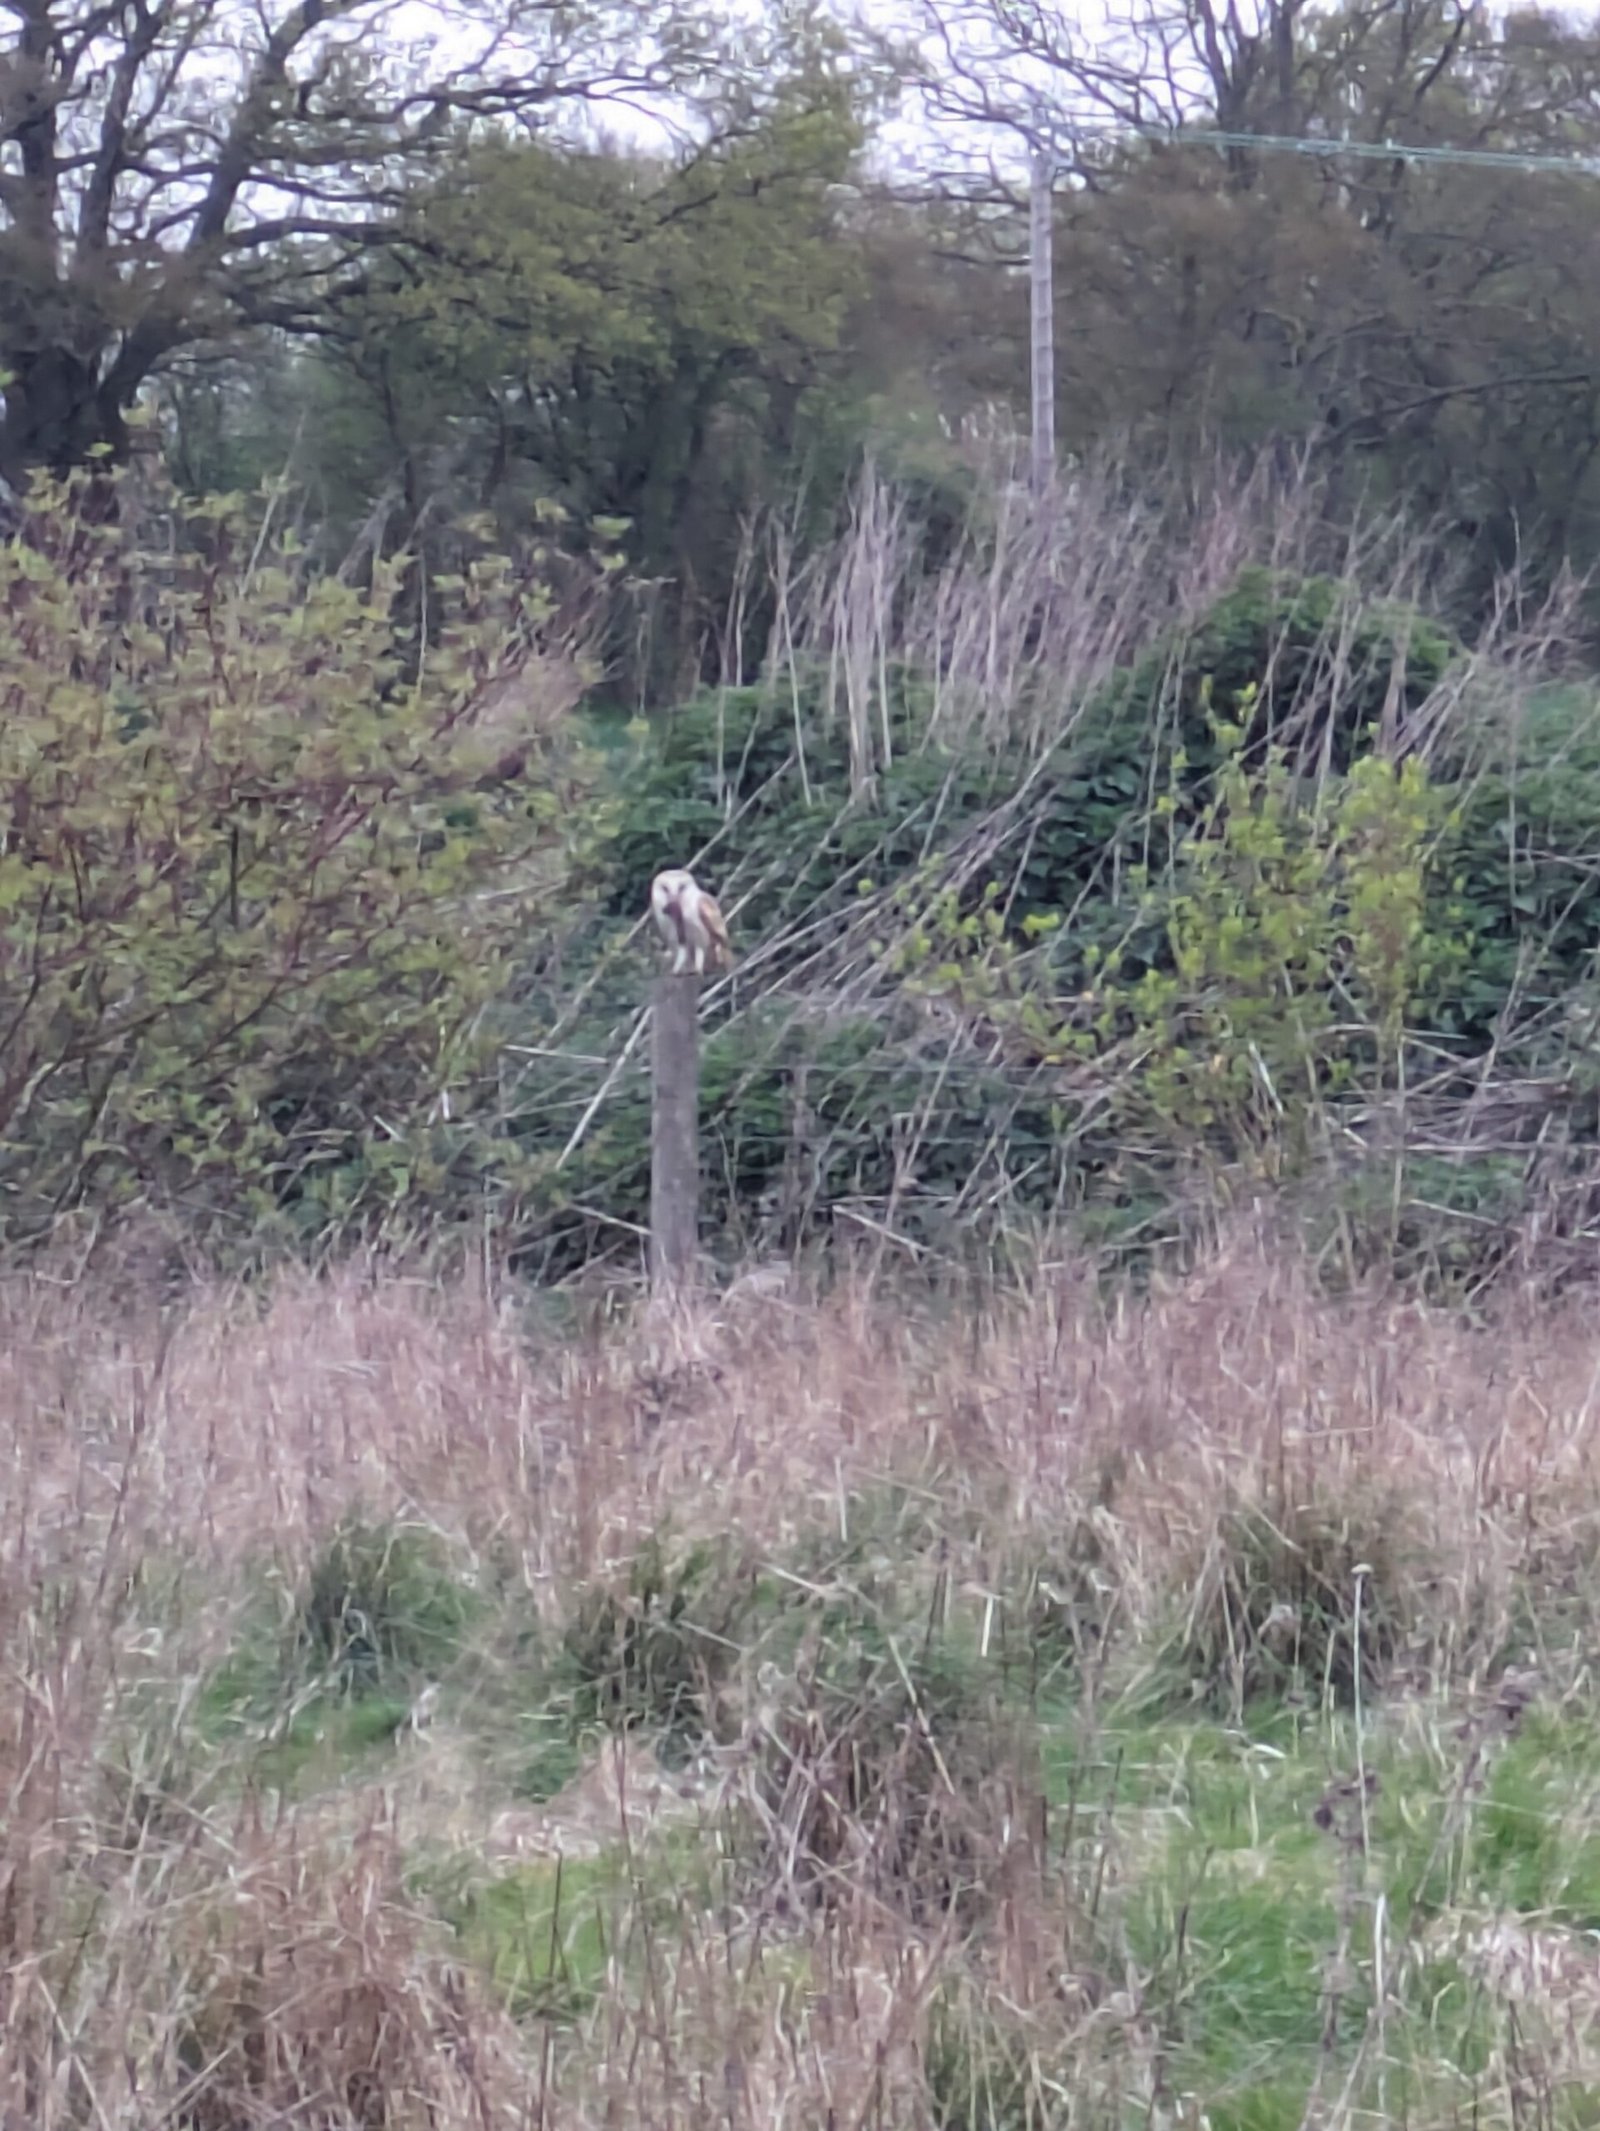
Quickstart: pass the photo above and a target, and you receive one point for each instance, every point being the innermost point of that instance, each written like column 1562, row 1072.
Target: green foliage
column 1176, row 890
column 1320, row 664
column 1203, row 940
column 548, row 259
column 269, row 898
column 628, row 335
column 764, row 774
column 382, row 1604
column 1516, row 876
column 258, row 877
column 1237, row 1035
column 1298, row 942
column 800, row 1110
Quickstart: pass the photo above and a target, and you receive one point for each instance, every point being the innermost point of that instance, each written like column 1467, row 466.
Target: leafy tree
column 175, row 171
column 628, row 337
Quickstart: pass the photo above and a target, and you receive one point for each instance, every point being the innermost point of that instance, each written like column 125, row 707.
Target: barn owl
column 689, row 921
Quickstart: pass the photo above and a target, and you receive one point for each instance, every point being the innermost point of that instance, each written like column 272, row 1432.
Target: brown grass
column 181, row 1945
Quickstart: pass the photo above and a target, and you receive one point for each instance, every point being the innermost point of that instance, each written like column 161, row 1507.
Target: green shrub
column 247, row 931
column 772, row 785
column 799, row 1110
column 1517, row 876
column 1321, row 662
column 766, row 771
column 1168, row 894
column 382, row 1605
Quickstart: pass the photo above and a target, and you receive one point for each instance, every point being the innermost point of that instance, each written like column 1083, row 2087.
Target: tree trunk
column 59, row 410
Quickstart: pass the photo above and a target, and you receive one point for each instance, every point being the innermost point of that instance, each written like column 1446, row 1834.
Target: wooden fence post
column 674, row 1135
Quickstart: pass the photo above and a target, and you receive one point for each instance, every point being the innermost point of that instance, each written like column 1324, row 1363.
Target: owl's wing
column 712, row 919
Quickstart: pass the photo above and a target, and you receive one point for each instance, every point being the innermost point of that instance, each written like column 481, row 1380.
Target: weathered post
column 674, row 1135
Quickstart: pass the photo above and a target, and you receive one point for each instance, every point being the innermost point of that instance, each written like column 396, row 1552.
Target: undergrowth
column 1174, row 1709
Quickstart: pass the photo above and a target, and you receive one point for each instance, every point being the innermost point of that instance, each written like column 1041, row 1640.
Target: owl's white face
column 673, row 896
column 671, row 899
column 668, row 888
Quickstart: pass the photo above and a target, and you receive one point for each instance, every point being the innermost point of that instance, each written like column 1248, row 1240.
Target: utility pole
column 1042, row 309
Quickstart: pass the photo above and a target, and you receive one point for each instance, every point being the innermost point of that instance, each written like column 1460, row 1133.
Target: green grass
column 329, row 1742
column 545, row 1932
column 1536, row 1841
column 1214, row 1877
column 541, row 1932
column 1216, row 1864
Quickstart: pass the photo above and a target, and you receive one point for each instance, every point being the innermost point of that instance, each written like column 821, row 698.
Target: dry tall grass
column 1037, row 600
column 184, row 1943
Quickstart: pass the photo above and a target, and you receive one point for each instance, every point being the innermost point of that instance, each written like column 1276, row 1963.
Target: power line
column 1388, row 151
column 1384, row 151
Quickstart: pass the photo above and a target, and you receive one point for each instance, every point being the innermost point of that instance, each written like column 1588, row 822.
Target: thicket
column 265, row 862
column 1292, row 896
column 310, row 924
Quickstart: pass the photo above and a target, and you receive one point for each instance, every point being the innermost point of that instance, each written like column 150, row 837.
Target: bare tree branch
column 173, row 169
